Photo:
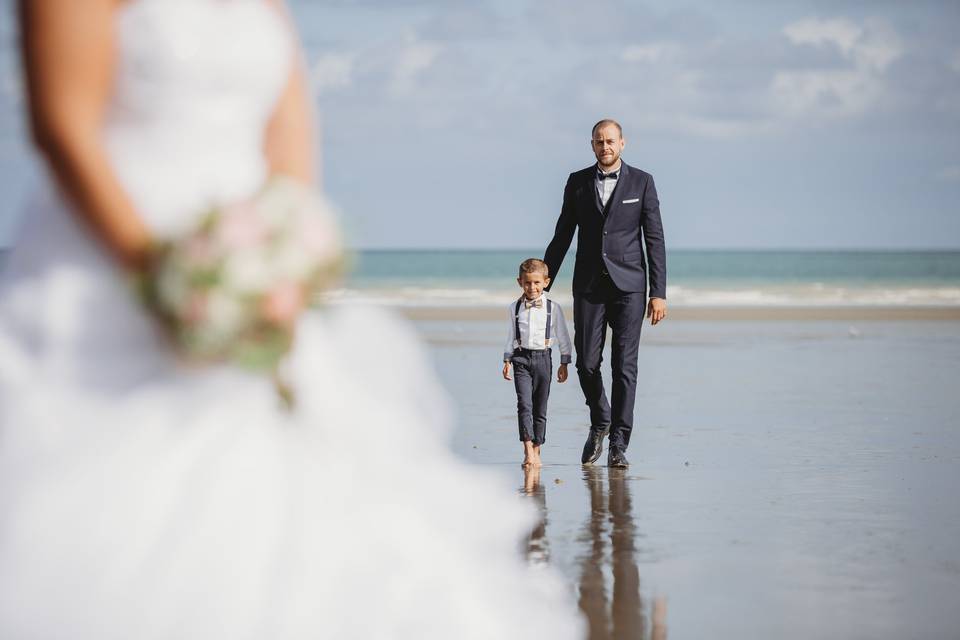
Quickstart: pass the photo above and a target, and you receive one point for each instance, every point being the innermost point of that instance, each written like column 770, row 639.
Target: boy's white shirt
column 533, row 330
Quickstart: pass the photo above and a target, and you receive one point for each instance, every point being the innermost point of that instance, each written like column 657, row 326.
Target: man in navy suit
column 614, row 208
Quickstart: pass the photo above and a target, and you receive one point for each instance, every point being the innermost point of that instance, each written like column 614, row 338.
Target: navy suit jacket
column 612, row 237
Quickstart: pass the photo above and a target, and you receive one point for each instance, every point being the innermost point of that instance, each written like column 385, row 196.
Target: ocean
column 696, row 278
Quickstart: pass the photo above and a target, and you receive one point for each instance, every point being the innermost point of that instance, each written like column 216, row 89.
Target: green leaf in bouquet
column 207, row 278
column 262, row 348
column 204, row 344
column 209, row 221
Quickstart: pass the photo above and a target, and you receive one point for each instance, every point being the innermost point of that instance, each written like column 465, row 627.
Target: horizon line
column 848, row 249
column 955, row 249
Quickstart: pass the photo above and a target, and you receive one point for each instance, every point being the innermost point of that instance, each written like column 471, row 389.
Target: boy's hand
column 506, row 371
column 562, row 373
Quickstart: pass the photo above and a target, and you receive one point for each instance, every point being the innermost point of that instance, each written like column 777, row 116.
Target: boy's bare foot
column 536, row 461
column 529, row 454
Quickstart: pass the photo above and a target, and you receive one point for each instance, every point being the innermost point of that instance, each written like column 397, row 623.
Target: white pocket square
column 631, row 201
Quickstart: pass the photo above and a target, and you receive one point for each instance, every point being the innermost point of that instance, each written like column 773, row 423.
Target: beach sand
column 794, row 473
column 713, row 314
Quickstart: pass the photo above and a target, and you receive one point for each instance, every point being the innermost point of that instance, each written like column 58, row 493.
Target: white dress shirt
column 605, row 187
column 533, row 330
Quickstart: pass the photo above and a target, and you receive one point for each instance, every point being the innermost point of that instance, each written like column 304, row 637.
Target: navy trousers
column 593, row 311
column 532, row 370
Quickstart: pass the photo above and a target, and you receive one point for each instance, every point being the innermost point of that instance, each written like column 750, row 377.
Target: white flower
column 281, row 199
column 225, row 313
column 320, row 236
column 292, row 263
column 247, row 272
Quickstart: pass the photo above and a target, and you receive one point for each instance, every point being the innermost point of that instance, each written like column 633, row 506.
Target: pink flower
column 283, row 303
column 199, row 251
column 241, row 227
column 196, row 311
column 320, row 238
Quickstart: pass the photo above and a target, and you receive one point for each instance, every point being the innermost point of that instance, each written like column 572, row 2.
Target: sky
column 766, row 125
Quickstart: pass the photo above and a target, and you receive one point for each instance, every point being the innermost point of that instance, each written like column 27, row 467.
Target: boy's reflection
column 538, row 551
column 611, row 527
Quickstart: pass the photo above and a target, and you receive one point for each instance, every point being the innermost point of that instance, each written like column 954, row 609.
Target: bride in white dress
column 143, row 499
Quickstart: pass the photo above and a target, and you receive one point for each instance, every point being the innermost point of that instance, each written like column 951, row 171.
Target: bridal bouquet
column 232, row 289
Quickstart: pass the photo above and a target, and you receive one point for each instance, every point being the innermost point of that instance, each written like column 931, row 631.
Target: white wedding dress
column 143, row 499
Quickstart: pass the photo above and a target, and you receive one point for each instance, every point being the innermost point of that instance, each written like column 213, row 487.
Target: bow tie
column 603, row 176
column 532, row 303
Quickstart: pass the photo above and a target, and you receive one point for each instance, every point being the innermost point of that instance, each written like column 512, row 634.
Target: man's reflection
column 610, row 533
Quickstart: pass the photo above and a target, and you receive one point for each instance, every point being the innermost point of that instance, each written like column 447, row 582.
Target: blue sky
column 795, row 124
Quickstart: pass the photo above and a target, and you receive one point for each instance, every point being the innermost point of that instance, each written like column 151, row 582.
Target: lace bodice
column 195, row 84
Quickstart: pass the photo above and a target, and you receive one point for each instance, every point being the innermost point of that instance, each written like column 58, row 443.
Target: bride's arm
column 290, row 133
column 68, row 54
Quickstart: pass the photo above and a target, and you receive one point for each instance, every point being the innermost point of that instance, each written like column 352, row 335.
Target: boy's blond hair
column 534, row 265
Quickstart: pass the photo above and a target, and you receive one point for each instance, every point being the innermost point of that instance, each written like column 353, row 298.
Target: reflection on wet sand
column 609, row 536
column 538, row 551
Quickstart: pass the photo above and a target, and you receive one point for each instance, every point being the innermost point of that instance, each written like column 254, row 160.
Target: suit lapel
column 593, row 189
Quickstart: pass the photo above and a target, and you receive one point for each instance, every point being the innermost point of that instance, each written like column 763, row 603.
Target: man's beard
column 612, row 162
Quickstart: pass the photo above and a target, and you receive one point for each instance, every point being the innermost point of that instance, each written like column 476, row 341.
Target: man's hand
column 506, row 371
column 656, row 310
column 562, row 373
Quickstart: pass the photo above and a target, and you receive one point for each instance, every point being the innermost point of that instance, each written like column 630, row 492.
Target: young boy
column 535, row 323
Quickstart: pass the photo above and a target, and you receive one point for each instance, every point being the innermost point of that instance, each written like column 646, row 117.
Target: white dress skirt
column 141, row 498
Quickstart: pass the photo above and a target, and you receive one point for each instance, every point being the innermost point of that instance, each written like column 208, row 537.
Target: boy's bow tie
column 532, row 303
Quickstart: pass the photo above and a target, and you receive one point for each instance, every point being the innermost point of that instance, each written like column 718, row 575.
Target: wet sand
column 738, row 314
column 790, row 477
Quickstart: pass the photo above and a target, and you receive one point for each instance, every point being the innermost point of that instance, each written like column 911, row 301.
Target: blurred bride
column 140, row 498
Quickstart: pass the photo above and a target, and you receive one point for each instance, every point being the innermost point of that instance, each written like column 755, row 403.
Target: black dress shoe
column 615, row 458
column 593, row 446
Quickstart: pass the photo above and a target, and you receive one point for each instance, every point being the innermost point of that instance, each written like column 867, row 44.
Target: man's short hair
column 534, row 265
column 604, row 123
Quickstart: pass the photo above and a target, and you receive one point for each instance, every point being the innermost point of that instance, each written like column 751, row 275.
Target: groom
column 613, row 205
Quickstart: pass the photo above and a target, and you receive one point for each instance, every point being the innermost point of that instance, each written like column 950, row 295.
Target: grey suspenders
column 546, row 337
column 516, row 323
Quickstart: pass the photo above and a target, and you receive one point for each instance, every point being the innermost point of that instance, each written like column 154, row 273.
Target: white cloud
column 703, row 126
column 412, row 59
column 838, row 31
column 808, row 72
column 874, row 45
column 949, row 174
column 831, row 93
column 878, row 46
column 821, row 70
column 823, row 93
column 333, row 71
column 647, row 52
